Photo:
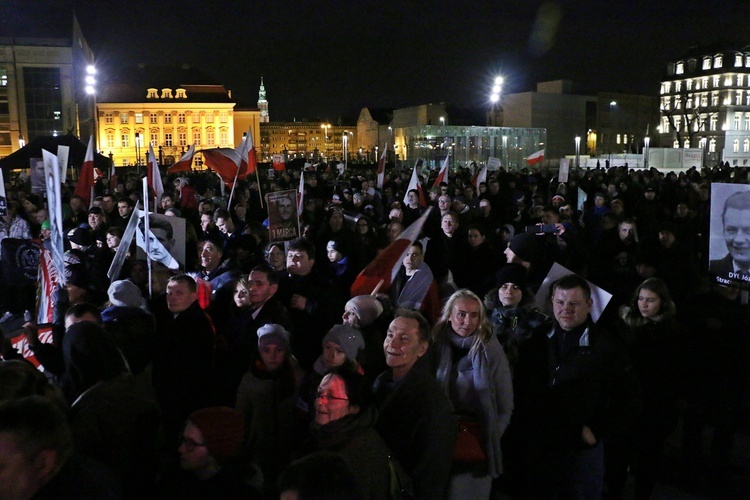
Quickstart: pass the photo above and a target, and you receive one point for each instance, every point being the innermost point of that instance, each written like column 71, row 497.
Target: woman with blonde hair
column 473, row 370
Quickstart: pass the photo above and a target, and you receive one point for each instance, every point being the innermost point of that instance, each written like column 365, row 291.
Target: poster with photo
column 729, row 234
column 283, row 222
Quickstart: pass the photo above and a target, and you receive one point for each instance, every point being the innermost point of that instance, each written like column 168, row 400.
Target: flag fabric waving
column 185, row 163
column 381, row 167
column 248, row 161
column 388, row 262
column 415, row 184
column 153, row 174
column 223, row 161
column 443, row 174
column 85, row 183
column 536, row 157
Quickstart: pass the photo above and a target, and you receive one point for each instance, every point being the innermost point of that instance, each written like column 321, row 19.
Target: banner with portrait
column 729, row 240
column 283, row 222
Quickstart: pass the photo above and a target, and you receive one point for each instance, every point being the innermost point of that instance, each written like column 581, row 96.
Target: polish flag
column 387, row 264
column 248, row 161
column 153, row 174
column 381, row 167
column 443, row 174
column 536, row 157
column 223, row 161
column 184, row 164
column 301, row 194
column 85, row 184
column 480, row 178
column 414, row 184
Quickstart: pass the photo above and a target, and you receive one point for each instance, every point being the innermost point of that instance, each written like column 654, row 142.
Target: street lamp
column 578, row 151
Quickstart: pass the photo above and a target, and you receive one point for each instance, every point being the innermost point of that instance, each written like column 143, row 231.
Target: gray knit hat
column 348, row 338
column 366, row 307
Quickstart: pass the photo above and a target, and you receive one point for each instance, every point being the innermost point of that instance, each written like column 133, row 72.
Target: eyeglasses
column 327, row 397
column 188, row 443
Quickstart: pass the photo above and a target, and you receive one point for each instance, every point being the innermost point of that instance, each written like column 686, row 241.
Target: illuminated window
column 125, row 140
column 139, row 118
column 168, row 139
column 153, row 118
column 712, row 146
column 168, row 118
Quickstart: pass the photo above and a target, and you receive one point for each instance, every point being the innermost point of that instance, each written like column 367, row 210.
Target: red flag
column 248, row 161
column 536, row 157
column 86, row 178
column 415, row 184
column 381, row 167
column 185, row 163
column 224, row 161
column 388, row 262
column 443, row 175
column 153, row 174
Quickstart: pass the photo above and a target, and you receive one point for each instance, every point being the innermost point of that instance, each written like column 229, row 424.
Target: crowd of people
column 248, row 368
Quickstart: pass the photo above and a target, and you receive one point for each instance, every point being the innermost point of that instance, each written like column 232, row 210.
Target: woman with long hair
column 649, row 328
column 473, row 369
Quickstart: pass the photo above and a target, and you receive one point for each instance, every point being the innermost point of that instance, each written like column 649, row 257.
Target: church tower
column 263, row 103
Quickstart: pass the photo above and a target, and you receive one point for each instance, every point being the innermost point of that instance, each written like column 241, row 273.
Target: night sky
column 327, row 60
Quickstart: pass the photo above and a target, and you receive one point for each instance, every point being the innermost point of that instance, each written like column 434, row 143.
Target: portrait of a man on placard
column 729, row 253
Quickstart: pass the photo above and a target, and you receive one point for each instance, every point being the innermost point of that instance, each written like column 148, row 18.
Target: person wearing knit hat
column 523, row 249
column 342, row 343
column 124, row 293
column 362, row 311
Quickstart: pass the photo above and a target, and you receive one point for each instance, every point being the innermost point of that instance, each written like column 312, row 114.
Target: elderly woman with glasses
column 344, row 419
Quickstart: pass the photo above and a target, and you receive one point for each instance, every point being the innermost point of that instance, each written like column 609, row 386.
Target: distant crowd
column 258, row 369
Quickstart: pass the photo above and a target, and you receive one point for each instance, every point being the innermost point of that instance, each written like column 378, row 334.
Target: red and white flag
column 387, row 264
column 153, row 174
column 223, row 161
column 381, row 167
column 415, row 184
column 248, row 161
column 536, row 157
column 443, row 174
column 185, row 163
column 480, row 177
column 301, row 194
column 85, row 184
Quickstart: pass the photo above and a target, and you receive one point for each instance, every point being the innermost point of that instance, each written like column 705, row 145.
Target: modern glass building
column 511, row 145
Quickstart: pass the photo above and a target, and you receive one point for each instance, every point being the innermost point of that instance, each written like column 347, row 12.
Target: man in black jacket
column 575, row 386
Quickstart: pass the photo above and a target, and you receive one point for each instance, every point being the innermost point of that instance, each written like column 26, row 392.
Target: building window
column 109, row 118
column 738, row 60
column 736, row 146
column 181, row 118
column 168, row 139
column 223, row 117
column 718, row 61
column 716, row 80
column 223, row 138
column 209, row 117
column 125, row 140
column 168, row 118
column 110, row 140
column 154, row 138
column 737, row 117
column 196, row 117
column 182, row 137
column 197, row 137
column 210, row 137
column 124, row 118
column 714, row 122
column 153, row 118
column 139, row 118
column 680, row 68
column 712, row 146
